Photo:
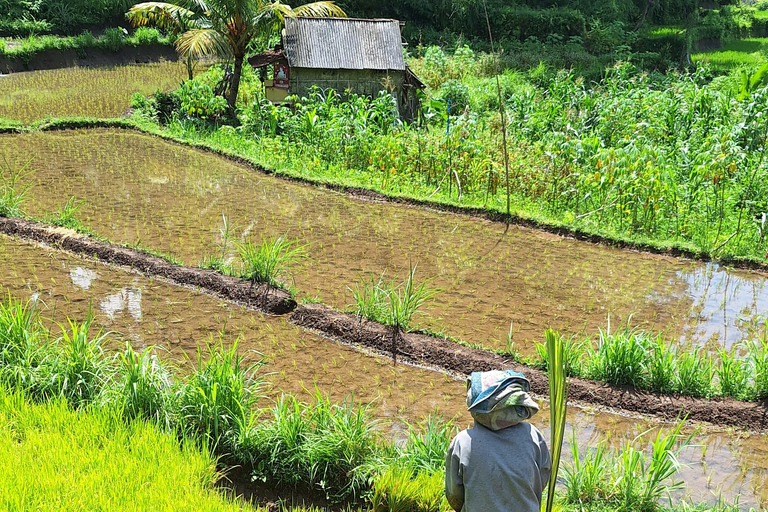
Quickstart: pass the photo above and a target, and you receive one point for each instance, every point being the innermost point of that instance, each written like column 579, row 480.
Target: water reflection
column 127, row 298
column 727, row 305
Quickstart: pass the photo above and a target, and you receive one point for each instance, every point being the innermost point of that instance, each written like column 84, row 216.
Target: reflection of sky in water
column 726, row 307
column 129, row 298
column 82, row 277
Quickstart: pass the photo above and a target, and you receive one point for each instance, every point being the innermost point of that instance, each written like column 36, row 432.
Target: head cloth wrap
column 499, row 399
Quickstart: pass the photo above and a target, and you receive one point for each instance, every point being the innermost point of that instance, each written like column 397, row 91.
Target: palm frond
column 203, row 42
column 320, row 10
column 161, row 14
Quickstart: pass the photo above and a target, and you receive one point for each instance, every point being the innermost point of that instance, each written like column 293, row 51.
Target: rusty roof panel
column 343, row 43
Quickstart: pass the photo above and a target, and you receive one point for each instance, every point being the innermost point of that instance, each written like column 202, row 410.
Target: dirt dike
column 447, row 355
column 263, row 297
column 414, row 348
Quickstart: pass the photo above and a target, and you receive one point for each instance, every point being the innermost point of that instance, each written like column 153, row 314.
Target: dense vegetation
column 25, row 17
column 331, row 449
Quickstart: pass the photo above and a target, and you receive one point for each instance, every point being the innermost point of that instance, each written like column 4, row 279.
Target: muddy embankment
column 414, row 348
column 89, row 57
column 263, row 297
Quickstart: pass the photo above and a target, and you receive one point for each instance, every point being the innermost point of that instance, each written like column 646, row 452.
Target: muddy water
column 137, row 188
column 146, row 312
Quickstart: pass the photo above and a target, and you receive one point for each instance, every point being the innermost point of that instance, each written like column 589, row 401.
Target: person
column 502, row 463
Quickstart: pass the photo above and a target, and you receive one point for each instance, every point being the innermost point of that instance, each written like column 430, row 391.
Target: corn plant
column 266, row 262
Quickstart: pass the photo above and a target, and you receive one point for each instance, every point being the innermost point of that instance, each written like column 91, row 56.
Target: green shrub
column 455, row 94
column 198, row 100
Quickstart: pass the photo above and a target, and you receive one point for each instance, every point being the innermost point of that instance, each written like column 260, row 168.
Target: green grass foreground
column 55, row 458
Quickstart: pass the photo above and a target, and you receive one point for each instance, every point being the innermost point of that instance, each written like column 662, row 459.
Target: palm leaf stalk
column 558, row 398
column 224, row 28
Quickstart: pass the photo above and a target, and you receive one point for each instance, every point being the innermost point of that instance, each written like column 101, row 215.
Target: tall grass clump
column 216, row 401
column 321, row 446
column 662, row 366
column 12, row 191
column 81, row 369
column 401, row 489
column 266, row 262
column 66, row 216
column 620, row 358
column 634, row 480
column 573, row 355
column 142, row 387
column 695, row 372
column 733, row 375
column 392, row 304
column 24, row 360
column 758, row 361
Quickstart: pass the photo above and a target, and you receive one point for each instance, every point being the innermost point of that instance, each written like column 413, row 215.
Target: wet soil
column 145, row 311
column 263, row 297
column 172, row 198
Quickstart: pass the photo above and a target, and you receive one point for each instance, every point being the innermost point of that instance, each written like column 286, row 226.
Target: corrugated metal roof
column 343, row 43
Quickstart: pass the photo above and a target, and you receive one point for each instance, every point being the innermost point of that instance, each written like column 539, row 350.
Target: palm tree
column 224, row 27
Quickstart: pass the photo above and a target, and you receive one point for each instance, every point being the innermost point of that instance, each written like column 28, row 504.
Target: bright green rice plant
column 401, row 489
column 81, row 368
column 620, row 358
column 427, row 444
column 90, row 459
column 733, row 375
column 587, row 480
column 758, row 361
column 65, row 217
column 662, row 366
column 216, row 400
column 694, row 374
column 659, row 473
column 371, row 299
column 12, row 191
column 264, row 263
column 142, row 387
column 25, row 361
column 558, row 403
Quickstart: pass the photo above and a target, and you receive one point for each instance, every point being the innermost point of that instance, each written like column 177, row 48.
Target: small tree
column 224, row 28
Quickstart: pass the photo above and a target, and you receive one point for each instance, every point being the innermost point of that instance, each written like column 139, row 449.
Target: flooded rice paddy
column 92, row 92
column 139, row 189
column 145, row 312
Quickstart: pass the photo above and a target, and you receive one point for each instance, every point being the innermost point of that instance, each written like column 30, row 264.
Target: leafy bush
column 455, row 94
column 198, row 100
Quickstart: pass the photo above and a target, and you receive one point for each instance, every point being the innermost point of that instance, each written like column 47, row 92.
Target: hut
column 345, row 54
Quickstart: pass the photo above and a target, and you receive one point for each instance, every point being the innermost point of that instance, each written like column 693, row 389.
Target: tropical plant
column 263, row 263
column 224, row 28
column 558, row 403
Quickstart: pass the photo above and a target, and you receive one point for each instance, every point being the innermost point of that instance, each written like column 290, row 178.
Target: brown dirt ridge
column 448, row 355
column 422, row 349
column 263, row 297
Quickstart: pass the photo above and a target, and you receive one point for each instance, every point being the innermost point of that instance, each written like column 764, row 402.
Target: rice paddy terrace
column 145, row 311
column 139, row 190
